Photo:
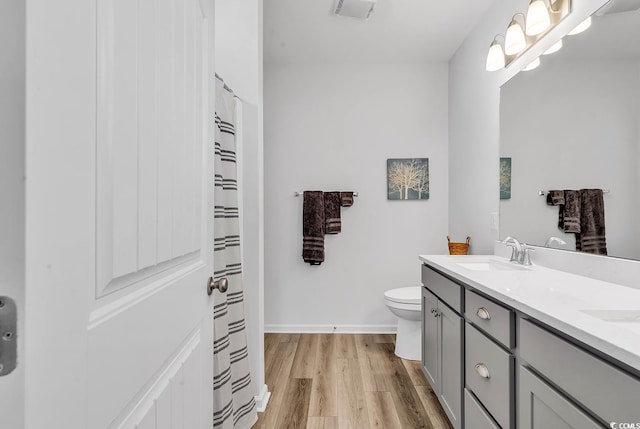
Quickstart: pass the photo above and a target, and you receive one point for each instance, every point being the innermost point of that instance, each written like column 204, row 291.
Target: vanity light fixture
column 524, row 31
column 538, row 19
column 539, row 16
column 515, row 41
column 495, row 57
column 554, row 48
column 532, row 65
column 581, row 27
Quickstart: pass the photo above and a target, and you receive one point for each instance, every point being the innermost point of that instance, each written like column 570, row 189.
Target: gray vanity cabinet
column 542, row 407
column 442, row 352
column 506, row 370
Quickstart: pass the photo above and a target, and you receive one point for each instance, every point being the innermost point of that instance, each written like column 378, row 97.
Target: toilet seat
column 405, row 295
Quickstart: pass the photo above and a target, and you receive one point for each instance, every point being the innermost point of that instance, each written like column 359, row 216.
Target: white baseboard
column 328, row 329
column 263, row 399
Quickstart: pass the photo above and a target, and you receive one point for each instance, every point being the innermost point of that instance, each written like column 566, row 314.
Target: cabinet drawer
column 445, row 289
column 608, row 392
column 475, row 417
column 492, row 318
column 494, row 388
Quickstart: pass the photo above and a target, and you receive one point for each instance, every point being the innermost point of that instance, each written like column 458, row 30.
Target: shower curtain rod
column 299, row 194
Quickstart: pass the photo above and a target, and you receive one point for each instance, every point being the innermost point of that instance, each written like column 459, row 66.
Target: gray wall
column 332, row 127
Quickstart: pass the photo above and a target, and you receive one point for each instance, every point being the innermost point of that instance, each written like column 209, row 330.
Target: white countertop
column 558, row 299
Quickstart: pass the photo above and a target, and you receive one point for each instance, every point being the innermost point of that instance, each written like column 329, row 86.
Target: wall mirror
column 574, row 123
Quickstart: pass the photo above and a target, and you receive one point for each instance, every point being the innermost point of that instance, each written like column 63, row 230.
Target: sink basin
column 490, row 265
column 615, row 315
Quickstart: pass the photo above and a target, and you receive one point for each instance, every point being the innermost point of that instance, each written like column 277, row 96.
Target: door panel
column 171, row 400
column 148, row 123
column 160, row 263
column 153, row 339
column 119, row 214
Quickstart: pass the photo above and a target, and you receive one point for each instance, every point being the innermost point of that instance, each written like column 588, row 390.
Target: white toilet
column 406, row 303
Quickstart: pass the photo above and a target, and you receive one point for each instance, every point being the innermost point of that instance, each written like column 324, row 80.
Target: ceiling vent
column 618, row 6
column 361, row 9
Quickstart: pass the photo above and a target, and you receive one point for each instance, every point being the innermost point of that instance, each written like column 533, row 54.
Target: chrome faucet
column 519, row 251
column 516, row 248
column 556, row 240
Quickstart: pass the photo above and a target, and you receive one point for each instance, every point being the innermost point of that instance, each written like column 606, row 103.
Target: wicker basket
column 458, row 248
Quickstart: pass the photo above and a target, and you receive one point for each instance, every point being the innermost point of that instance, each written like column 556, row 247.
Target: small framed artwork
column 408, row 179
column 505, row 178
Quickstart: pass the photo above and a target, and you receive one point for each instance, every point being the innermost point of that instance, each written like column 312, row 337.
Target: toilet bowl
column 406, row 303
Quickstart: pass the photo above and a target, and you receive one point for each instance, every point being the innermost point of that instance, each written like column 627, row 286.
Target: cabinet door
column 541, row 407
column 430, row 339
column 475, row 417
column 451, row 363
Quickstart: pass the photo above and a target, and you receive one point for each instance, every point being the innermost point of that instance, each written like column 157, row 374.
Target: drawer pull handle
column 482, row 370
column 483, row 313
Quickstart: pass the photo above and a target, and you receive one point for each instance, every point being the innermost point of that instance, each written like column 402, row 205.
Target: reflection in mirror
column 574, row 123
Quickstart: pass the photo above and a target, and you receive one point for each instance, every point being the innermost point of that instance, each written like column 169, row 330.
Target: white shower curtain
column 234, row 404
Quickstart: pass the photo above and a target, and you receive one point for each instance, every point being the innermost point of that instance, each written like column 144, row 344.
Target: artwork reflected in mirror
column 572, row 124
column 505, row 178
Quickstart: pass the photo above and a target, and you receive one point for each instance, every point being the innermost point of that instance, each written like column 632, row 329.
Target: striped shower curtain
column 234, row 404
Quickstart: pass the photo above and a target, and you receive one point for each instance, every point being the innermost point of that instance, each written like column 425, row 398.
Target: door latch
column 8, row 335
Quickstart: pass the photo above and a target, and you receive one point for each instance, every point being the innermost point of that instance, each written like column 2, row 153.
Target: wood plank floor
column 344, row 381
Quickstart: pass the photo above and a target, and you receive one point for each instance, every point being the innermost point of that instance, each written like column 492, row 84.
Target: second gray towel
column 332, row 219
column 592, row 237
column 569, row 215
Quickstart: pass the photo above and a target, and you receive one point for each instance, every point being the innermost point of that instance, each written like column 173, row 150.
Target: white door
column 119, row 160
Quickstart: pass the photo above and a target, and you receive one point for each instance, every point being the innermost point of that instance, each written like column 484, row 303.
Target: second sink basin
column 490, row 265
column 615, row 315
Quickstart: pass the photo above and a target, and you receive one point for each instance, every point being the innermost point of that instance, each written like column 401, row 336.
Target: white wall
column 12, row 197
column 474, row 131
column 239, row 63
column 572, row 124
column 332, row 127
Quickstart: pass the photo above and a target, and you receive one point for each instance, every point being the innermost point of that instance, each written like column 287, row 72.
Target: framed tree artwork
column 408, row 179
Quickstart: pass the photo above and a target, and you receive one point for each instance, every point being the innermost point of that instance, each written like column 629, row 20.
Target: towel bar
column 543, row 193
column 300, row 193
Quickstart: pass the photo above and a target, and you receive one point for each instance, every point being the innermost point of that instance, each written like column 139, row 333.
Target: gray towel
column 332, row 221
column 313, row 227
column 569, row 214
column 555, row 198
column 592, row 236
column 346, row 199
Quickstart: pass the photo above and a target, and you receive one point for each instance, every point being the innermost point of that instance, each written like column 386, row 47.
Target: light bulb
column 495, row 57
column 532, row 65
column 514, row 41
column 538, row 19
column 554, row 48
column 581, row 27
